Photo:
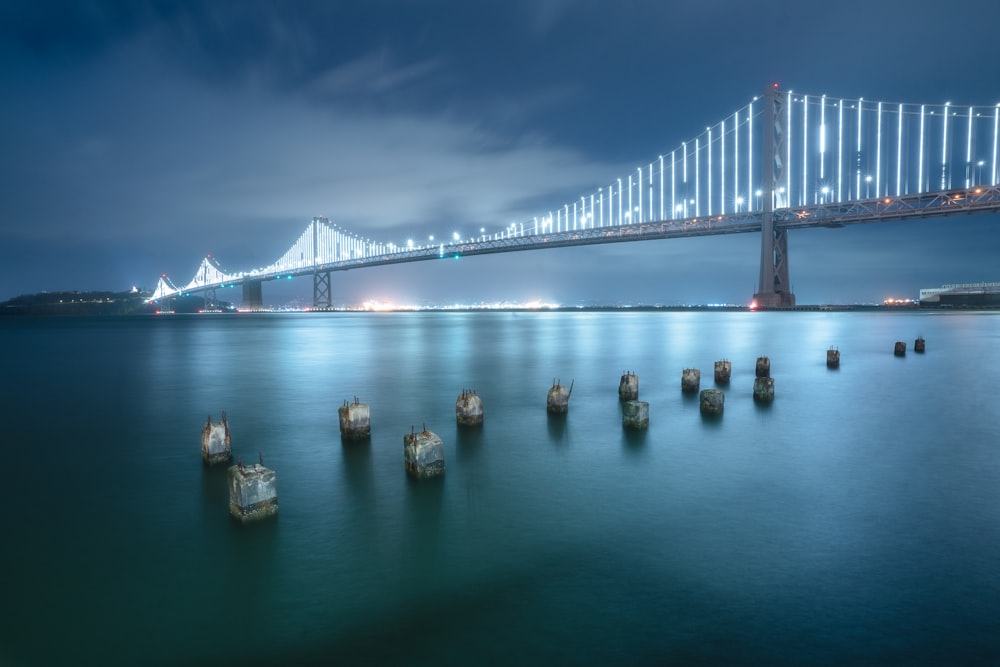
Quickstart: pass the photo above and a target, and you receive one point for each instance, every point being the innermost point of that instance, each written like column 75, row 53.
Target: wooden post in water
column 833, row 358
column 763, row 389
column 628, row 388
column 215, row 442
column 713, row 401
column 253, row 491
column 355, row 420
column 918, row 344
column 690, row 380
column 423, row 454
column 723, row 370
column 469, row 409
column 763, row 367
column 635, row 414
column 900, row 349
column 557, row 400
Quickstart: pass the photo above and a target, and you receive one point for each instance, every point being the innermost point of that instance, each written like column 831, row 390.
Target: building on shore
column 962, row 295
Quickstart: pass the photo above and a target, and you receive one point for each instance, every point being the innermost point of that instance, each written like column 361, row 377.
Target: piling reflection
column 422, row 564
column 558, row 432
column 634, row 441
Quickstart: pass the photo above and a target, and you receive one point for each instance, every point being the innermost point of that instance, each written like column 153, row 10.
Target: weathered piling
column 833, row 358
column 423, row 453
column 763, row 367
column 215, row 444
column 712, row 401
column 469, row 408
column 628, row 388
column 763, row 389
column 253, row 492
column 557, row 401
column 918, row 344
column 635, row 414
column 900, row 349
column 355, row 420
column 723, row 370
column 690, row 380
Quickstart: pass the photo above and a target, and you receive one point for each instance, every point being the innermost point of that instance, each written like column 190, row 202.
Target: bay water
column 854, row 520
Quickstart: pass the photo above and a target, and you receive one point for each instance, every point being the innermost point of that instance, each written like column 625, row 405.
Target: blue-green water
column 855, row 520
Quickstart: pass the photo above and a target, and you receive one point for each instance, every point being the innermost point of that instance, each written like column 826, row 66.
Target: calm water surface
column 855, row 520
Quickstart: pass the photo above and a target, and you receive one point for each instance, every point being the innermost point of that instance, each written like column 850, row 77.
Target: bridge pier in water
column 321, row 290
column 253, row 296
column 774, row 287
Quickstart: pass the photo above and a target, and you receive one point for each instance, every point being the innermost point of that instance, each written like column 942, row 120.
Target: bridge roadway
column 981, row 199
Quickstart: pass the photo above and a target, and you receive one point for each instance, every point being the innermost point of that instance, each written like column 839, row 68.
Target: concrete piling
column 557, row 400
column 833, row 358
column 628, row 388
column 900, row 349
column 712, row 401
column 763, row 367
column 723, row 370
column 918, row 344
column 763, row 389
column 215, row 444
column 469, row 408
column 355, row 420
column 253, row 492
column 635, row 414
column 423, row 453
column 690, row 380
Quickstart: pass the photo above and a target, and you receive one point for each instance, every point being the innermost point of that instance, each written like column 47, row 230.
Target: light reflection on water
column 854, row 518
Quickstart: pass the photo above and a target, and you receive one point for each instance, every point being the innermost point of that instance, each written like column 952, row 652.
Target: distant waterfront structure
column 961, row 295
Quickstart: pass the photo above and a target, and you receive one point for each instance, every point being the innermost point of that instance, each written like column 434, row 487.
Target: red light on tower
column 775, row 85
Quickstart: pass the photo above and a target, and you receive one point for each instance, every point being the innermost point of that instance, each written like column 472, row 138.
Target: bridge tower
column 321, row 279
column 774, row 287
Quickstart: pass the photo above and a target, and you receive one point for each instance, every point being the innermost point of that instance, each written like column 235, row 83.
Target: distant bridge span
column 877, row 162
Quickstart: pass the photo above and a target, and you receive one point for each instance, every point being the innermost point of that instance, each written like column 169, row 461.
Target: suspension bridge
column 784, row 161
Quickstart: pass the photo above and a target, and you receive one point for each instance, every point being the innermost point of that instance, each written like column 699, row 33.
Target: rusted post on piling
column 628, row 388
column 690, row 380
column 423, row 453
column 253, row 492
column 723, row 370
column 469, row 408
column 215, row 442
column 763, row 367
column 557, row 400
column 355, row 420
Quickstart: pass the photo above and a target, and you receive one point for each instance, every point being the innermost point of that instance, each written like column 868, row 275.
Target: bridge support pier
column 253, row 296
column 775, row 290
column 210, row 299
column 321, row 290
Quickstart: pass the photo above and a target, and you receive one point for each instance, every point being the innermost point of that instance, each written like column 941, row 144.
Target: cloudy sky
column 139, row 136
